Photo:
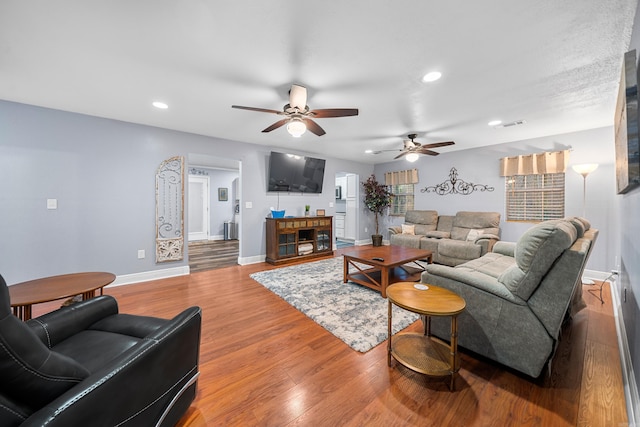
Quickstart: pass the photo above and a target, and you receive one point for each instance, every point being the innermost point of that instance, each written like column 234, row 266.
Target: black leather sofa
column 87, row 365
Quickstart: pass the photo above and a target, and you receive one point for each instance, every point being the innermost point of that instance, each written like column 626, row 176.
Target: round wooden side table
column 422, row 352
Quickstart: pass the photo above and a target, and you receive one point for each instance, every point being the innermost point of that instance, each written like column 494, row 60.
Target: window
column 402, row 199
column 535, row 197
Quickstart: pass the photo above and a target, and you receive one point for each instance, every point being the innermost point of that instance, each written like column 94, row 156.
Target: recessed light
column 432, row 76
column 494, row 122
column 368, row 151
column 160, row 105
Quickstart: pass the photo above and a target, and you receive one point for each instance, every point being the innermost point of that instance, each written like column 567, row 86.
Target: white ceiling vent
column 514, row 123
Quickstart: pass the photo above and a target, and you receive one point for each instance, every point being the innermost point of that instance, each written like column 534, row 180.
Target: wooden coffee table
column 24, row 295
column 376, row 267
column 422, row 352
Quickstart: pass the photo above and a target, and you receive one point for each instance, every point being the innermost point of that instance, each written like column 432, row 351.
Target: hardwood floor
column 263, row 363
column 211, row 254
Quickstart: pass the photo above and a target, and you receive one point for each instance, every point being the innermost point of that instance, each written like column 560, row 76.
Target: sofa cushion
column 458, row 249
column 445, row 223
column 492, row 264
column 535, row 253
column 438, row 234
column 473, row 235
column 406, row 240
column 408, row 229
column 463, row 222
column 31, row 373
column 428, row 218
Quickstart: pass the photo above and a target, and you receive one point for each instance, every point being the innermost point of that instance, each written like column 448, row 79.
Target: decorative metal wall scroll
column 169, row 210
column 456, row 186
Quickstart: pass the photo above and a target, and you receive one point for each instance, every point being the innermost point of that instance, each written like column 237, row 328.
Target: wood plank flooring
column 263, row 363
column 211, row 254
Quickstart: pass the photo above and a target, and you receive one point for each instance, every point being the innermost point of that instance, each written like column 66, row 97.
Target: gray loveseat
column 519, row 294
column 453, row 239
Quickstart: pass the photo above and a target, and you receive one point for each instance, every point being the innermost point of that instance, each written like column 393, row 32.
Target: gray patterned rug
column 355, row 314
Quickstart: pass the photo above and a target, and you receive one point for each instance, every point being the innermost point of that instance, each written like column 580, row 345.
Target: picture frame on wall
column 223, row 194
column 320, row 212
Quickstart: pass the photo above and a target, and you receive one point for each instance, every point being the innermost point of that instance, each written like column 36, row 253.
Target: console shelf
column 292, row 239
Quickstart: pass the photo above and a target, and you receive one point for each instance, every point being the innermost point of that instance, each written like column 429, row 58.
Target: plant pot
column 376, row 239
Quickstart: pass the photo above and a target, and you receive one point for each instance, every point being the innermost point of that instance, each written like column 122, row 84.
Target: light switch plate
column 52, row 203
column 248, row 205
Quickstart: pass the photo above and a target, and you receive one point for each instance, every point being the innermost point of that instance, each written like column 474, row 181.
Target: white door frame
column 206, row 220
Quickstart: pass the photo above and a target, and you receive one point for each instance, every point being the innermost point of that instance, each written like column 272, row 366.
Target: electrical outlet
column 366, row 229
column 141, row 254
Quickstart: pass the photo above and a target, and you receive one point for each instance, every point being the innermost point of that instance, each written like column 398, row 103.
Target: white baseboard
column 251, row 259
column 631, row 394
column 145, row 276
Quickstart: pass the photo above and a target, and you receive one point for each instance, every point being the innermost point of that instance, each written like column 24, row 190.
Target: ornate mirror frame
column 170, row 210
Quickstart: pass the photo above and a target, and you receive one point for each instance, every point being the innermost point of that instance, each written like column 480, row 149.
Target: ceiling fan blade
column 425, row 151
column 438, row 144
column 404, row 153
column 313, row 127
column 262, row 110
column 334, row 112
column 298, row 97
column 276, row 125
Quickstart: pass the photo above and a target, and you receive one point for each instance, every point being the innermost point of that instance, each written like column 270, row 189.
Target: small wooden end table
column 419, row 352
column 24, row 295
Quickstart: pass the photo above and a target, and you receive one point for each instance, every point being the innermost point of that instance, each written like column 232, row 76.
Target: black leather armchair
column 88, row 365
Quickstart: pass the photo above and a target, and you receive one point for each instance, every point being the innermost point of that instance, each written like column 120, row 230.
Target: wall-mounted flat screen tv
column 295, row 174
column 627, row 138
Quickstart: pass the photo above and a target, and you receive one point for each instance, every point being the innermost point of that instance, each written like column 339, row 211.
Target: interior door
column 198, row 208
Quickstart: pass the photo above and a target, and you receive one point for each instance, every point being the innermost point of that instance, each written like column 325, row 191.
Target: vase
column 376, row 239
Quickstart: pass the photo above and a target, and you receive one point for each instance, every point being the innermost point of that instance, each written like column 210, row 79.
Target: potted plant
column 377, row 198
column 306, row 210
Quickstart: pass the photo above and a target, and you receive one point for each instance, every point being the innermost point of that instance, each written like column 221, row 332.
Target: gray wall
column 481, row 166
column 630, row 260
column 102, row 172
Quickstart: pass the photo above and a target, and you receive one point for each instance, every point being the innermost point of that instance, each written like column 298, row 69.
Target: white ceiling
column 553, row 63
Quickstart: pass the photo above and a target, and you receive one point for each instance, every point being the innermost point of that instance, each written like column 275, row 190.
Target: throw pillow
column 473, row 235
column 408, row 229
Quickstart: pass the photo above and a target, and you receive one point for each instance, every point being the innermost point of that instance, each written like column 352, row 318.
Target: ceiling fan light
column 432, row 76
column 412, row 157
column 296, row 128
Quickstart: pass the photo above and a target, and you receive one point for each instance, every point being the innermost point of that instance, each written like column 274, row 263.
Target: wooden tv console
column 292, row 239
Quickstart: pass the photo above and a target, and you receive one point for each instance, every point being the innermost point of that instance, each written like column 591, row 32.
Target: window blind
column 537, row 197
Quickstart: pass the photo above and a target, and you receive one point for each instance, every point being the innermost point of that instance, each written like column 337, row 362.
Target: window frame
column 539, row 197
column 402, row 201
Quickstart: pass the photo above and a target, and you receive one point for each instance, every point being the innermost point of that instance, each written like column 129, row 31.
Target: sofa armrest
column 505, row 248
column 486, row 241
column 395, row 229
column 60, row 324
column 138, row 387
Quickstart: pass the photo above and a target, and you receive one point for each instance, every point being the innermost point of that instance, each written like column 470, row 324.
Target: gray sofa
column 519, row 294
column 453, row 239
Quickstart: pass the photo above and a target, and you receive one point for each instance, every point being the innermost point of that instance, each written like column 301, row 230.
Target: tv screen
column 295, row 174
column 627, row 138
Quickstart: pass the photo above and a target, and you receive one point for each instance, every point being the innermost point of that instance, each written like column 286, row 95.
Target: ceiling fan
column 413, row 149
column 298, row 116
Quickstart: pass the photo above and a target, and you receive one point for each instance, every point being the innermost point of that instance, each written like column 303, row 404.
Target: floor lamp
column 585, row 170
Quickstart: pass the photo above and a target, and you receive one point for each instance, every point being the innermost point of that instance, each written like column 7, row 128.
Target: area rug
column 355, row 314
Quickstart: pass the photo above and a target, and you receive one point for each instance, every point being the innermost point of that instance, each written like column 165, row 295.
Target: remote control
column 377, row 259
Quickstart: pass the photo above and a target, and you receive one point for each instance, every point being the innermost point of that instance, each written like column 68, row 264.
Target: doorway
column 198, row 208
column 346, row 209
column 213, row 201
